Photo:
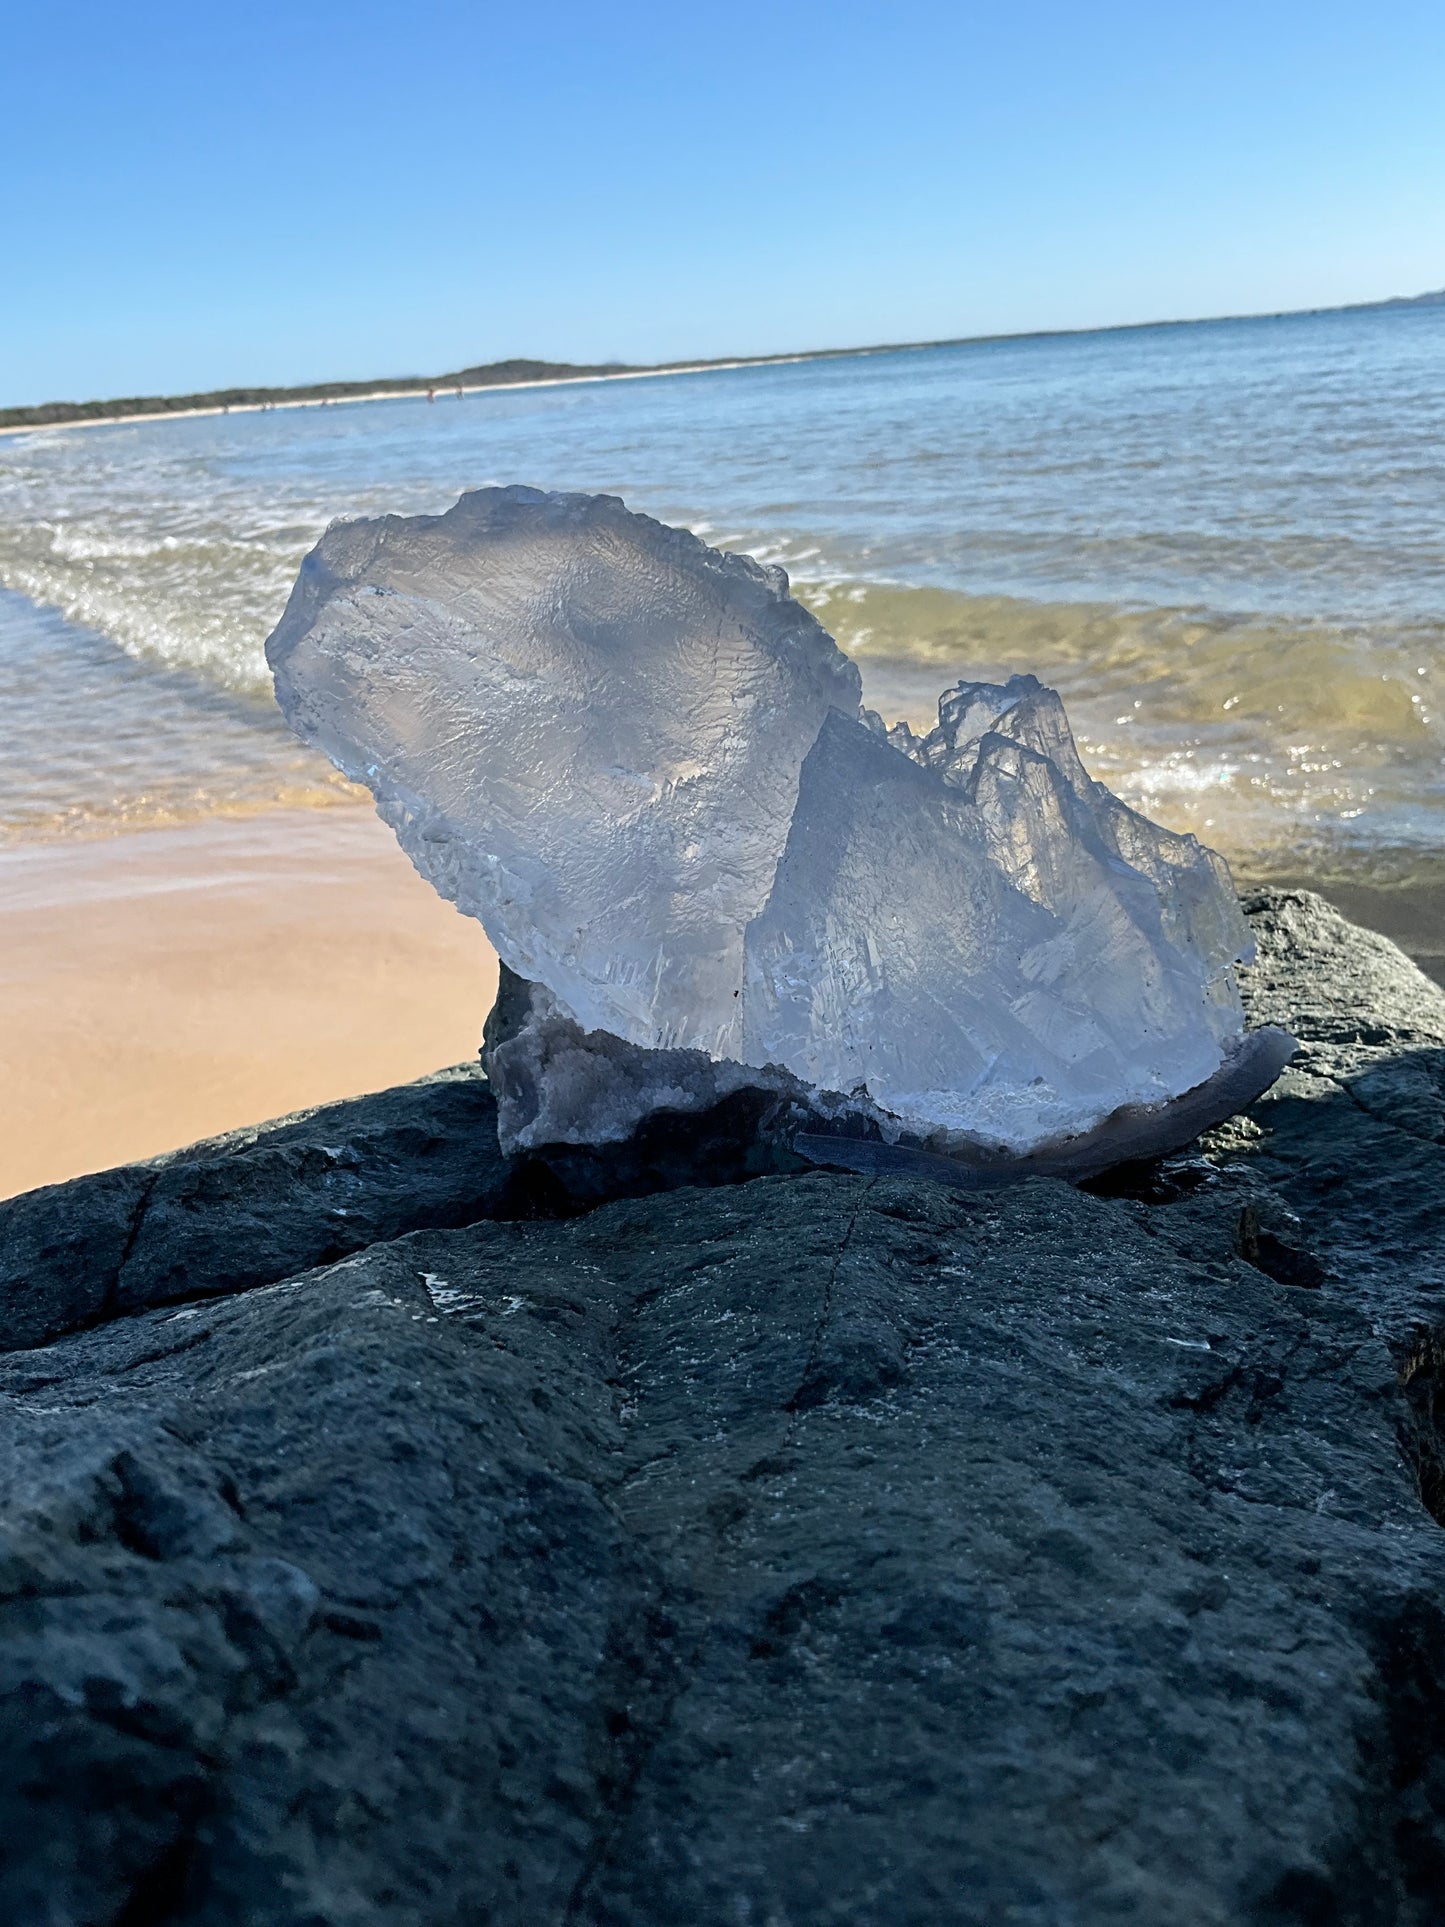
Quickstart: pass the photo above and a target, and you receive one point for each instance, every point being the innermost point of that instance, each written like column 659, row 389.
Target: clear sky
column 209, row 193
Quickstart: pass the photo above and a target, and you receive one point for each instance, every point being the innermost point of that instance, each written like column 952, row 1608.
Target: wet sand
column 166, row 985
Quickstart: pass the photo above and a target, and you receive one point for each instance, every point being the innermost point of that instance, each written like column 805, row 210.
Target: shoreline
column 444, row 390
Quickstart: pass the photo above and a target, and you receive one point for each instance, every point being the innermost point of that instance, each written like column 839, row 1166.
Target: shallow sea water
column 1224, row 542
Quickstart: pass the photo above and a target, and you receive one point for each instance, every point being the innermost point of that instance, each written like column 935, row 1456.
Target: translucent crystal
column 584, row 728
column 644, row 767
column 976, row 951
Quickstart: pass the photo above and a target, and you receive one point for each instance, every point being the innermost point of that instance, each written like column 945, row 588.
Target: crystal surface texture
column 585, row 729
column 645, row 769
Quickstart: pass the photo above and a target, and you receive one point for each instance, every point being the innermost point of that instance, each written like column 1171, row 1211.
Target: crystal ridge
column 645, row 768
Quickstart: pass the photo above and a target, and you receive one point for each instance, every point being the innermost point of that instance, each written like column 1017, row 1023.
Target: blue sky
column 193, row 195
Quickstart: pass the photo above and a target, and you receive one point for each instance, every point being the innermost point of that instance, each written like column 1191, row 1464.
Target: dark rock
column 250, row 1208
column 817, row 1549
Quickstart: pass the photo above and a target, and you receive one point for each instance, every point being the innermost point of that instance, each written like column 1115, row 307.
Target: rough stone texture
column 249, row 1208
column 817, row 1549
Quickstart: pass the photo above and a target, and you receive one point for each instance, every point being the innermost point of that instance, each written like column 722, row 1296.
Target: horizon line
column 531, row 373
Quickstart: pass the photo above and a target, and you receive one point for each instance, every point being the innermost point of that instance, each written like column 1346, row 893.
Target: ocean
column 1224, row 542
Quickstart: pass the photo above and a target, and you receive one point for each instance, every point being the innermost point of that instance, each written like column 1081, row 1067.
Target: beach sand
column 166, row 985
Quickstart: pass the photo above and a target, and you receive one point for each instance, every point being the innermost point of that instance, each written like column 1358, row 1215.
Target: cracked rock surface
column 817, row 1549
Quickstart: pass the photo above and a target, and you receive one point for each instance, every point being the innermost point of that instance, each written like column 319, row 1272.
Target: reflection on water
column 1223, row 542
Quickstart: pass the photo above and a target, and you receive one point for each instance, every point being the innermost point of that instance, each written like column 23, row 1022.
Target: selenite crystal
column 584, row 728
column 646, row 770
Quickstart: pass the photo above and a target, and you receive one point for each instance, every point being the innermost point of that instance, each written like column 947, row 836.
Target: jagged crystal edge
column 646, row 770
column 970, row 941
column 584, row 728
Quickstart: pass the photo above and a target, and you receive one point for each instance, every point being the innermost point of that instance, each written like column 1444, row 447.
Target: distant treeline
column 491, row 374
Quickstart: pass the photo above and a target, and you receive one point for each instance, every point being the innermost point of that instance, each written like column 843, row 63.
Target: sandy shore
column 163, row 986
column 166, row 985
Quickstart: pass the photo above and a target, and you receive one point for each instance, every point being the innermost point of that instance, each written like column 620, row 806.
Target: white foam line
column 441, row 389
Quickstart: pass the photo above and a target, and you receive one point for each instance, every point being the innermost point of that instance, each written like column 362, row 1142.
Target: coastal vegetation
column 492, row 374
